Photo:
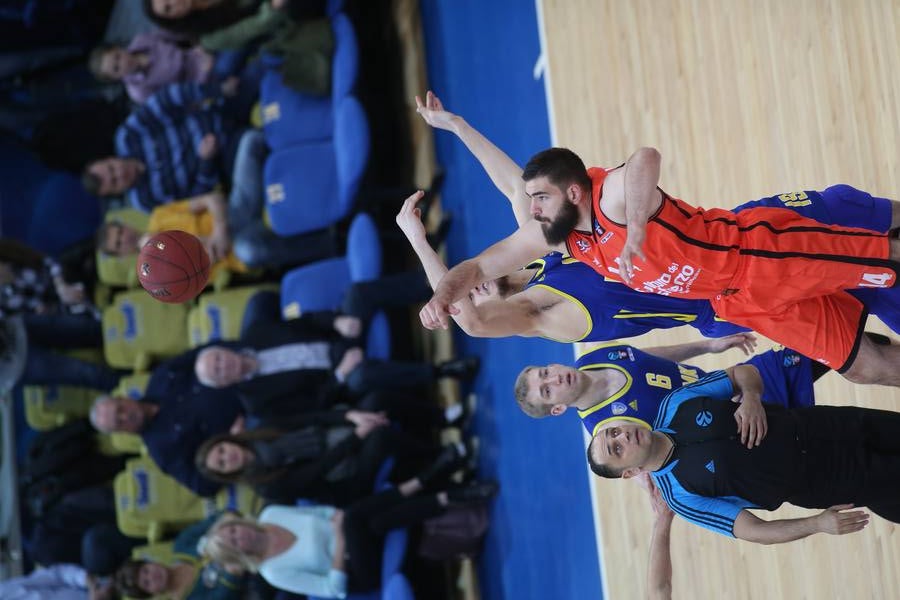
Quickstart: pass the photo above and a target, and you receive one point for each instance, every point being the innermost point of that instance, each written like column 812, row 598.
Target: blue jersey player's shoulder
column 645, row 380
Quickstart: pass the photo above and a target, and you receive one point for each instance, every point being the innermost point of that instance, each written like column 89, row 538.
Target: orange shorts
column 824, row 328
column 783, row 260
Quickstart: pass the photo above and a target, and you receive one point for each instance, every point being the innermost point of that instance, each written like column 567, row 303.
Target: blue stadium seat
column 345, row 62
column 394, row 553
column 291, row 117
column 397, row 588
column 378, row 338
column 322, row 285
column 313, row 185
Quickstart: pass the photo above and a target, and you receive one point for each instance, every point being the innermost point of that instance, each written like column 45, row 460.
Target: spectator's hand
column 359, row 417
column 745, row 341
column 433, row 112
column 351, row 359
column 633, row 248
column 69, row 293
column 218, row 245
column 409, row 219
column 366, row 427
column 230, row 86
column 208, row 146
column 836, row 521
column 348, row 326
column 751, row 420
column 279, row 4
column 238, row 425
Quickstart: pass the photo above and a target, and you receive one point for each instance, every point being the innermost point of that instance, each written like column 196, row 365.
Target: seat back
column 290, row 117
column 314, row 287
column 137, row 329
column 49, row 406
column 345, row 61
column 302, row 188
column 351, row 149
column 219, row 315
column 150, row 504
column 363, row 249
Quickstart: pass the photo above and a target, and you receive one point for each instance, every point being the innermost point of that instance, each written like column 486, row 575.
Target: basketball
column 173, row 266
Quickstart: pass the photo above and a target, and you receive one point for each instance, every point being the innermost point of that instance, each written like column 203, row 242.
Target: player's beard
column 557, row 230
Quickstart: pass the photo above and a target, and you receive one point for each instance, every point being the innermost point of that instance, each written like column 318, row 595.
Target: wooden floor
column 743, row 99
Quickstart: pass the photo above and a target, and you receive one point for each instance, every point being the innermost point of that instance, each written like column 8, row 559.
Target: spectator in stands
column 305, row 45
column 150, row 62
column 316, row 357
column 57, row 314
column 188, row 577
column 329, row 552
column 61, row 582
column 177, row 145
column 206, row 216
column 173, row 418
column 331, row 456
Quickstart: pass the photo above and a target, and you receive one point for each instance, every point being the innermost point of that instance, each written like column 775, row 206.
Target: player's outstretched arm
column 836, row 520
column 494, row 318
column 503, row 171
column 679, row 352
column 507, row 255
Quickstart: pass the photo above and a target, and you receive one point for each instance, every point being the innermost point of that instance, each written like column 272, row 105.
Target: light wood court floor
column 743, row 99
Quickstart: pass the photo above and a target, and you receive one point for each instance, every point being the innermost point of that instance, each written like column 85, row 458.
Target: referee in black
column 713, row 459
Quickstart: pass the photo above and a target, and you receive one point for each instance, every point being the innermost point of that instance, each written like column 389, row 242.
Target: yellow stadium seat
column 138, row 329
column 119, row 270
column 219, row 315
column 150, row 504
column 49, row 406
column 161, row 552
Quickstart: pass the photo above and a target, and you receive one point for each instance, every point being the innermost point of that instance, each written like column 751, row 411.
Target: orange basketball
column 173, row 266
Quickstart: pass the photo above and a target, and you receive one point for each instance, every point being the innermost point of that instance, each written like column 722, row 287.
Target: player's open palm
column 745, row 341
column 633, row 249
column 840, row 520
column 432, row 110
column 409, row 219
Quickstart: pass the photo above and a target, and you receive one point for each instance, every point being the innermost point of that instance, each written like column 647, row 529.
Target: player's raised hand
column 836, row 520
column 633, row 248
column 746, row 341
column 432, row 110
column 409, row 219
column 436, row 314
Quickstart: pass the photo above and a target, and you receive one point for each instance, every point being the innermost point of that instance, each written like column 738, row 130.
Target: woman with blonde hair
column 324, row 551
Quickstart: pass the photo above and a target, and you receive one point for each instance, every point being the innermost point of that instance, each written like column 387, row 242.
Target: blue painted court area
column 541, row 544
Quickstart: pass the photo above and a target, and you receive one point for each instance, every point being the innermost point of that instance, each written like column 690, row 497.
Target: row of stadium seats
column 320, row 146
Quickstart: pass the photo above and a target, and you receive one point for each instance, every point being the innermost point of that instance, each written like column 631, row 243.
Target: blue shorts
column 847, row 206
column 838, row 205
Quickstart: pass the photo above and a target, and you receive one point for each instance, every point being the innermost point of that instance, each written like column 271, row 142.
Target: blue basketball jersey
column 614, row 310
column 786, row 375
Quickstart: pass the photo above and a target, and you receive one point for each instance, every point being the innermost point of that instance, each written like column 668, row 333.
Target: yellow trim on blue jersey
column 598, row 346
column 568, row 260
column 576, row 302
column 627, row 314
column 622, row 391
column 538, row 265
column 634, row 420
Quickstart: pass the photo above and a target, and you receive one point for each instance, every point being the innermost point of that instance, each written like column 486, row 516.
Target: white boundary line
column 542, row 67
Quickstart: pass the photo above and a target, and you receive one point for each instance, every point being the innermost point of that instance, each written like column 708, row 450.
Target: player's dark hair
column 560, row 166
column 600, row 469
